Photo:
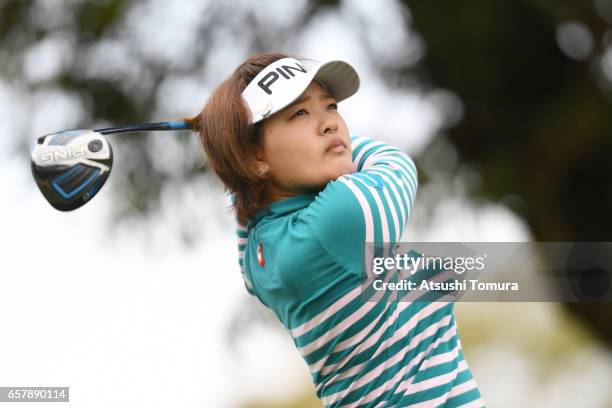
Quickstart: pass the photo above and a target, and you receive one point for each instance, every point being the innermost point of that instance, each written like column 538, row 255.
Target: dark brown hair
column 230, row 140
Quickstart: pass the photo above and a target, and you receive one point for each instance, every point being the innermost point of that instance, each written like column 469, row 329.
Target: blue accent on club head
column 94, row 189
column 69, row 195
column 65, row 137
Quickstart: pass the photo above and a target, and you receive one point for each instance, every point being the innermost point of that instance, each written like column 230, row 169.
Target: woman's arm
column 372, row 205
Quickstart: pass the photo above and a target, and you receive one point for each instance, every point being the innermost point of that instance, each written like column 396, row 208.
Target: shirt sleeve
column 371, row 205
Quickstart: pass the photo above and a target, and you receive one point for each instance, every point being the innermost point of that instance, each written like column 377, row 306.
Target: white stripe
column 402, row 163
column 355, row 143
column 434, row 382
column 358, row 337
column 397, row 230
column 367, row 148
column 371, row 340
column 390, row 177
column 365, row 207
column 411, row 389
column 317, row 366
column 410, row 173
column 479, row 403
column 463, row 387
column 391, row 383
column 381, row 209
column 336, row 330
column 441, row 358
column 399, row 356
column 247, row 280
column 399, row 157
column 374, row 158
column 400, row 374
column 402, row 179
column 325, row 314
column 403, row 303
column 409, row 187
column 242, row 241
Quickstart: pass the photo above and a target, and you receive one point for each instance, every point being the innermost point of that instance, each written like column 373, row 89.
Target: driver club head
column 70, row 167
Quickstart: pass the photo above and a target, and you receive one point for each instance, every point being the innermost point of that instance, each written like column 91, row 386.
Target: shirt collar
column 282, row 207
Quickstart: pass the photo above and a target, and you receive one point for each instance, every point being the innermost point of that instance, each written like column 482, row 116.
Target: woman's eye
column 301, row 112
column 333, row 106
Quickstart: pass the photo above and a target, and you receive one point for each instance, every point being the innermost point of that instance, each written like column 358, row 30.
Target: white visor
column 282, row 82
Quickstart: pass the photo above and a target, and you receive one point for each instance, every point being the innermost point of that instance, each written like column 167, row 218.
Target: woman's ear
column 262, row 168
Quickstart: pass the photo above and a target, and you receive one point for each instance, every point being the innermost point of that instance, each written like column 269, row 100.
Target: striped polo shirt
column 303, row 257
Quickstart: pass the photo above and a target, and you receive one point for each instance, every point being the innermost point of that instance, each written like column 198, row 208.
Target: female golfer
column 308, row 198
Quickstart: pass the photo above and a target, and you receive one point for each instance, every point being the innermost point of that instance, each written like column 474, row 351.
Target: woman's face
column 298, row 152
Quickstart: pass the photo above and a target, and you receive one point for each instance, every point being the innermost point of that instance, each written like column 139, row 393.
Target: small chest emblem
column 260, row 257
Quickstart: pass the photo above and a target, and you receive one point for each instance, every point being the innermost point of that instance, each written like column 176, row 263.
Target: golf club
column 71, row 166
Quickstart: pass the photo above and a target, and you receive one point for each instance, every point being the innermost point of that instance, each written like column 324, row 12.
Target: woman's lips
column 336, row 145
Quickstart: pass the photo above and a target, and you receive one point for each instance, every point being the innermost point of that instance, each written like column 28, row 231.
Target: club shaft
column 145, row 127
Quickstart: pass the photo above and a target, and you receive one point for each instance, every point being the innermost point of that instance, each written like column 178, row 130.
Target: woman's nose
column 329, row 126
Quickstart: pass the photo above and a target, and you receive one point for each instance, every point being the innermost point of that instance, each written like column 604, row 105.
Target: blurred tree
column 537, row 123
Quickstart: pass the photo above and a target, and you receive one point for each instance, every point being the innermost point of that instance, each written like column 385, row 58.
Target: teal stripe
column 409, row 187
column 463, row 398
column 362, row 186
column 400, row 190
column 327, row 348
column 372, row 363
column 440, row 348
column 371, row 149
column 395, row 207
column 338, row 356
column 410, row 175
column 317, row 306
column 433, row 392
